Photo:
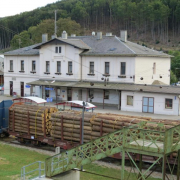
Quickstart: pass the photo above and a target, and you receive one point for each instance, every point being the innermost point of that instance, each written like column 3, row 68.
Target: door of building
column 69, row 94
column 11, row 87
column 80, row 95
column 148, row 105
column 46, row 93
column 22, row 89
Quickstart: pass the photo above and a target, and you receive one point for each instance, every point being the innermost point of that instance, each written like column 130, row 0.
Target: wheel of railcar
column 2, row 135
column 7, row 134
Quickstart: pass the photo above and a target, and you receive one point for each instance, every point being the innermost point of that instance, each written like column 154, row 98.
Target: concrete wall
column 1, row 64
column 159, row 102
column 98, row 97
column 144, row 68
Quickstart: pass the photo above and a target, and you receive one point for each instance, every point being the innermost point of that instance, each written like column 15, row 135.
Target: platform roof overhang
column 31, row 98
column 165, row 89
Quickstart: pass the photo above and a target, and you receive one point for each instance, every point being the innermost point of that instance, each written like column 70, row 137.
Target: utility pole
column 55, row 27
column 82, row 128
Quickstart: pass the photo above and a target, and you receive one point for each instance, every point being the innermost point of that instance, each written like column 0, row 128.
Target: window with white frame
column 58, row 49
column 91, row 69
column 106, row 94
column 123, row 68
column 106, row 68
column 33, row 65
column 130, row 100
column 11, row 65
column 48, row 66
column 59, row 66
column 22, row 65
column 69, row 66
column 168, row 103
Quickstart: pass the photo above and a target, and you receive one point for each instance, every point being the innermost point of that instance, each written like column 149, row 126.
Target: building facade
column 102, row 69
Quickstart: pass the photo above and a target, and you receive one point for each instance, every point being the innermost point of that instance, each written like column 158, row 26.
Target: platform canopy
column 31, row 98
column 77, row 103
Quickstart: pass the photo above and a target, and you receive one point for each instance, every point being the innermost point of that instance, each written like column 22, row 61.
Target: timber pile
column 39, row 122
column 94, row 121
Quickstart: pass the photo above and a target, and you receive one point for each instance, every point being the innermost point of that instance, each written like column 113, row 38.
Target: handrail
column 24, row 173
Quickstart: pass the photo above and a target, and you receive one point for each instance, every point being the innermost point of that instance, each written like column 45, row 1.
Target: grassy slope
column 12, row 159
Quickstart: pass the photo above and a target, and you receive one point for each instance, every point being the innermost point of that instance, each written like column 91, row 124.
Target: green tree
column 21, row 40
column 173, row 78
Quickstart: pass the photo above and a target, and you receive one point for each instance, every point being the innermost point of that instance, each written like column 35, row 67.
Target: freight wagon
column 43, row 124
column 4, row 117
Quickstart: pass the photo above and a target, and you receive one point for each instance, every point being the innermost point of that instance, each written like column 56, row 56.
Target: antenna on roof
column 55, row 27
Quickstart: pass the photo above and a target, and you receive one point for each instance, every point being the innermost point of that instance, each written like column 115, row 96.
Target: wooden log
column 58, row 129
column 73, row 126
column 70, row 122
column 107, row 130
column 37, row 114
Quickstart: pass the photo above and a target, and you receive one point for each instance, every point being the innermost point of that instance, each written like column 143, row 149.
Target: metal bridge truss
column 152, row 140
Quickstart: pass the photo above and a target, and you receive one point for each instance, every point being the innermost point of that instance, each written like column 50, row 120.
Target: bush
column 157, row 41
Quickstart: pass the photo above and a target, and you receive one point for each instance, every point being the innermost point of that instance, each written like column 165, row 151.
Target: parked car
column 178, row 83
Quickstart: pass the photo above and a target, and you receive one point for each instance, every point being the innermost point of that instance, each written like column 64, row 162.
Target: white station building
column 102, row 69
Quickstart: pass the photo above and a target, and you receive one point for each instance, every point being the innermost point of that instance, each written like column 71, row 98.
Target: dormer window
column 58, row 49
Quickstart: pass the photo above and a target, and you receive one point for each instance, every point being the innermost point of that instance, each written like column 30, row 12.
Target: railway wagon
column 4, row 117
column 63, row 129
column 31, row 123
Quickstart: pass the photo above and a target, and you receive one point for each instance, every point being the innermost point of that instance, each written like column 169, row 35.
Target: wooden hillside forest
column 155, row 21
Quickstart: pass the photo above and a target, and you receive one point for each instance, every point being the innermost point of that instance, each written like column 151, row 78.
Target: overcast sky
column 12, row 7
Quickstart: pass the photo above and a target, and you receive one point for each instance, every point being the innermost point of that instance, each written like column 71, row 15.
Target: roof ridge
column 124, row 44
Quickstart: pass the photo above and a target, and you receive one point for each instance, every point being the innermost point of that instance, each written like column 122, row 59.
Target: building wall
column 159, row 102
column 144, row 68
column 17, row 76
column 98, row 97
column 1, row 64
column 68, row 53
column 99, row 68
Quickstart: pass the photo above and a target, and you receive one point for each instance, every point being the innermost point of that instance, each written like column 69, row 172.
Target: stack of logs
column 97, row 125
column 30, row 119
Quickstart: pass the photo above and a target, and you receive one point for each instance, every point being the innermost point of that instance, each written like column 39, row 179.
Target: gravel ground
column 100, row 163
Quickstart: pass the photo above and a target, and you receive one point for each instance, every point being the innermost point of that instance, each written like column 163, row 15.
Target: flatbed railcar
column 64, row 144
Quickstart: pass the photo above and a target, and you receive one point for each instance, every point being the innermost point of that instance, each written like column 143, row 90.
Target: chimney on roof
column 99, row 35
column 53, row 36
column 44, row 38
column 123, row 36
column 109, row 34
column 73, row 35
column 64, row 35
column 93, row 33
